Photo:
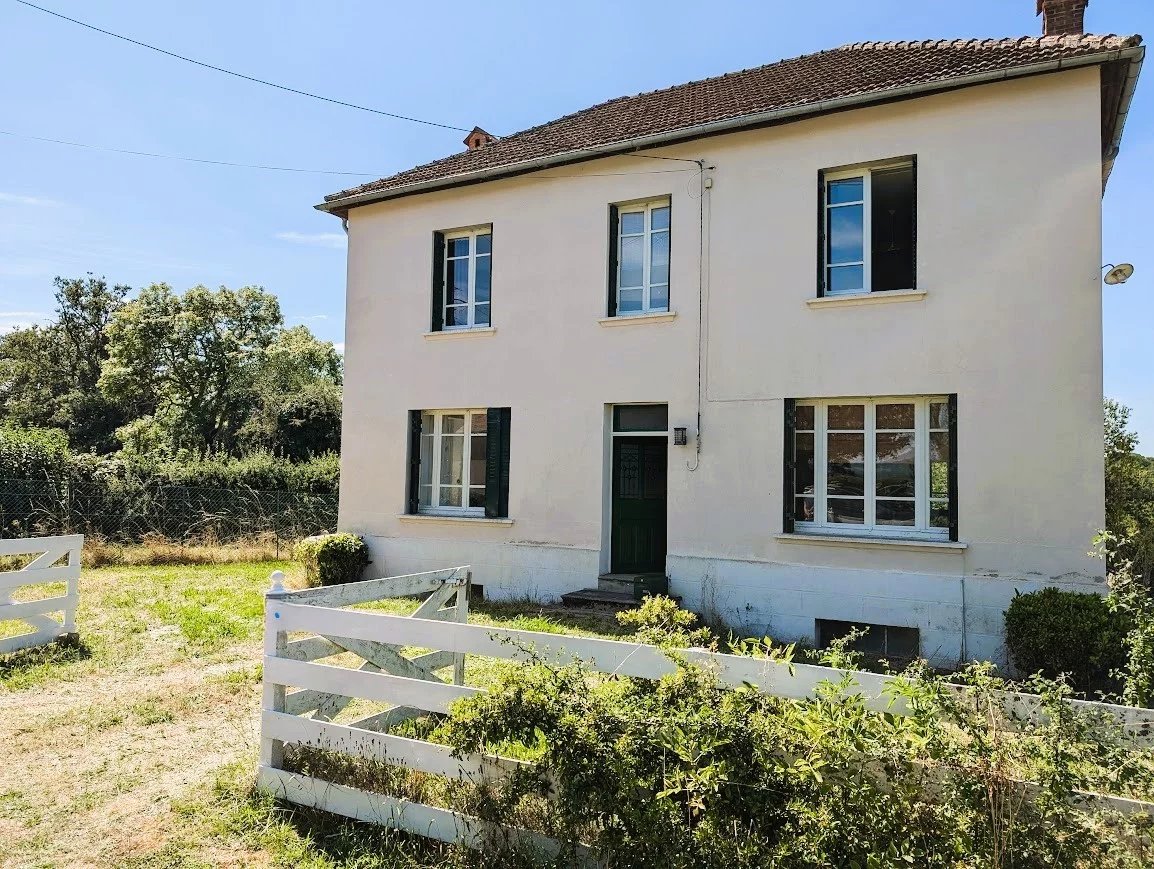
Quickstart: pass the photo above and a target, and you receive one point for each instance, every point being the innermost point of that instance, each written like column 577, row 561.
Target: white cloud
column 316, row 239
column 340, row 347
column 18, row 199
column 10, row 321
column 314, row 318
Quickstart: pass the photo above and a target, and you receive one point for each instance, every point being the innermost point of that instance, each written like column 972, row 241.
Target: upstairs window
column 867, row 229
column 639, row 258
column 459, row 462
column 880, row 466
column 462, row 278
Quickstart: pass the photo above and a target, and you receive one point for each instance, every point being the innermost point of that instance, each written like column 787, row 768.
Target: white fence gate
column 42, row 570
column 413, row 689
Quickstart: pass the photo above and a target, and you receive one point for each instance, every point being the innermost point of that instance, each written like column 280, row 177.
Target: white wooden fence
column 43, row 569
column 412, row 688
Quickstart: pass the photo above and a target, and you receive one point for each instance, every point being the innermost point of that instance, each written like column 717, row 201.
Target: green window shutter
column 413, row 499
column 438, row 320
column 953, row 468
column 821, row 271
column 497, row 463
column 614, row 228
column 788, row 466
column 914, row 226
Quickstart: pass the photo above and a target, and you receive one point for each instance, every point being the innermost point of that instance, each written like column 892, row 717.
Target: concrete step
column 627, row 583
column 595, row 597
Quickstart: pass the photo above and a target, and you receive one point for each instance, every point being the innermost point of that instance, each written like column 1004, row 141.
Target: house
column 820, row 341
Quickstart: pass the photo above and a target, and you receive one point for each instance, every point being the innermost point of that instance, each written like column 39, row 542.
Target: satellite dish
column 1118, row 274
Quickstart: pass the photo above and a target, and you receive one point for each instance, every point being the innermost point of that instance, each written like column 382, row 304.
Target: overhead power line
column 187, row 159
column 250, row 78
column 292, row 90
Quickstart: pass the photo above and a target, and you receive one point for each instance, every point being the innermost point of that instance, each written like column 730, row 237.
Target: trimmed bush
column 332, row 559
column 1053, row 631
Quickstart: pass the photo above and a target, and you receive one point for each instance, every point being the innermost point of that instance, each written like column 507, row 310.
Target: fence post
column 275, row 641
column 462, row 616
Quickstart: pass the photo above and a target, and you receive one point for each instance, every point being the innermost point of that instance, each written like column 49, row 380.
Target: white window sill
column 460, row 520
column 476, row 332
column 637, row 319
column 884, row 542
column 879, row 298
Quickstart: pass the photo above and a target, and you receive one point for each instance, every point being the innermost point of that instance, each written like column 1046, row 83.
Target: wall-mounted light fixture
column 1118, row 274
column 680, row 436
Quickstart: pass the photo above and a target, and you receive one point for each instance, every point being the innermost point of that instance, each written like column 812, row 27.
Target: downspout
column 701, row 188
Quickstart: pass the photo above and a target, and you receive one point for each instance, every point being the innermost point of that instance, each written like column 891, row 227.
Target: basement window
column 880, row 641
column 867, row 229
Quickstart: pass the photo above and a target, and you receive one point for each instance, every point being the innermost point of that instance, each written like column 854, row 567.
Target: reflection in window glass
column 883, row 465
column 451, row 477
column 643, row 258
column 468, row 279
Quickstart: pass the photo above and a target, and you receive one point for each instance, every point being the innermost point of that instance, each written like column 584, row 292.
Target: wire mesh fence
column 129, row 511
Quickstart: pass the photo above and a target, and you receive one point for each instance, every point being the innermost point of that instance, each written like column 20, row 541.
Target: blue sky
column 503, row 66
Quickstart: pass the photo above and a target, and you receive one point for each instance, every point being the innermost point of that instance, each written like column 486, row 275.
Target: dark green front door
column 639, row 489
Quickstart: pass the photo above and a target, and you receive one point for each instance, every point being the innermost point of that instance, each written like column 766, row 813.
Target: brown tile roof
column 859, row 69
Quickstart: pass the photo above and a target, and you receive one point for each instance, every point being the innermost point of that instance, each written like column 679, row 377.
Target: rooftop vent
column 478, row 138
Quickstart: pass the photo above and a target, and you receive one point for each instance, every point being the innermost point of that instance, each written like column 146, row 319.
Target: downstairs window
column 459, row 462
column 882, row 467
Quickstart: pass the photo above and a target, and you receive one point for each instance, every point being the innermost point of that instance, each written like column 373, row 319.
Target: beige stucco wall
column 1009, row 208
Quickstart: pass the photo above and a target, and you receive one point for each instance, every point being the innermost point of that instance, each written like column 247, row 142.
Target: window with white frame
column 467, row 278
column 878, row 466
column 642, row 257
column 452, row 462
column 868, row 229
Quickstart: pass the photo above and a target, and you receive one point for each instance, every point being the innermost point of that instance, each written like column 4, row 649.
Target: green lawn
column 137, row 748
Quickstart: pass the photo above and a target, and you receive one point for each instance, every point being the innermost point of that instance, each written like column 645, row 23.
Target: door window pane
column 661, row 217
column 659, row 298
column 484, row 243
column 659, row 258
column 640, row 417
column 803, row 417
column 450, row 496
column 457, row 315
column 459, row 246
column 481, row 315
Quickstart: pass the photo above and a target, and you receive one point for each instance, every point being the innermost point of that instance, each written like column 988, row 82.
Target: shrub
column 682, row 773
column 1053, row 632
column 332, row 559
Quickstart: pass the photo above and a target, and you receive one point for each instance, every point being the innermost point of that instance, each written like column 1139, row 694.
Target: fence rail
column 128, row 511
column 43, row 569
column 413, row 689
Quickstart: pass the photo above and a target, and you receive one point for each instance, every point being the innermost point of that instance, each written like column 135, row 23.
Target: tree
column 298, row 397
column 49, row 374
column 1129, row 490
column 189, row 363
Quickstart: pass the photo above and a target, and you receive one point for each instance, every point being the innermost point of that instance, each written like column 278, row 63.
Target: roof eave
column 1133, row 54
column 1136, row 57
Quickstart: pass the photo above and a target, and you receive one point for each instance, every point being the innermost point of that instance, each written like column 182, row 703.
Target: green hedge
column 333, row 559
column 1053, row 631
column 43, row 454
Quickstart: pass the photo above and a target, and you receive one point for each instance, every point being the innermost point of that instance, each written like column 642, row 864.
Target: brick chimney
column 1063, row 17
column 478, row 138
